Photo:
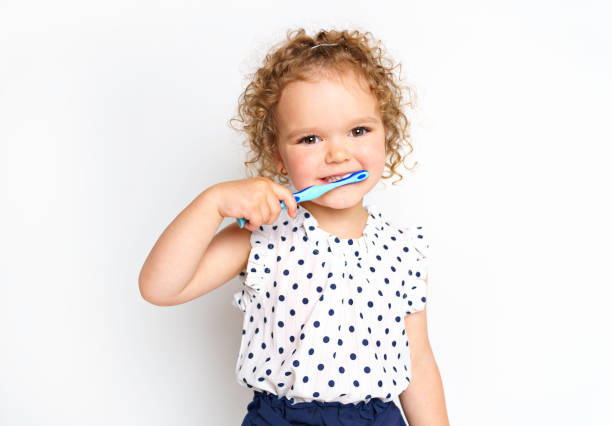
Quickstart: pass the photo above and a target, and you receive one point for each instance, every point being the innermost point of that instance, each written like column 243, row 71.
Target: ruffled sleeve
column 258, row 270
column 418, row 268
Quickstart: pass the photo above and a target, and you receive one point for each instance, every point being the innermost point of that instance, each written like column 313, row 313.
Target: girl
column 333, row 293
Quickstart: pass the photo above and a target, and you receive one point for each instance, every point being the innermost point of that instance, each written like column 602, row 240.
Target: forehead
column 326, row 97
column 343, row 74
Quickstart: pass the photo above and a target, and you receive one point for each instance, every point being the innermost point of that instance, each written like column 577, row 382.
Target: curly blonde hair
column 294, row 59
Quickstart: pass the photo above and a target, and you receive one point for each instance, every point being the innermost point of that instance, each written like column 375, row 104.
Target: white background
column 113, row 117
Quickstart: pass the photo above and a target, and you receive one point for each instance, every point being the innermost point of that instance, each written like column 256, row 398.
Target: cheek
column 375, row 153
column 301, row 166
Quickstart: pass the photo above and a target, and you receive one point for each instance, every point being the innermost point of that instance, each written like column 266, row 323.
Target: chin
column 338, row 202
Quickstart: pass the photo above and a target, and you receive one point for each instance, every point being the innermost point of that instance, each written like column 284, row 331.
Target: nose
column 337, row 150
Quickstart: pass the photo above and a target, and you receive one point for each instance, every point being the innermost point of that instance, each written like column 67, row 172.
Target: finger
column 287, row 197
column 263, row 210
column 254, row 218
column 274, row 207
column 248, row 225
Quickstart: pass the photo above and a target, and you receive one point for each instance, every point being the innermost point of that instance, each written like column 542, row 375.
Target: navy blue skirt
column 267, row 409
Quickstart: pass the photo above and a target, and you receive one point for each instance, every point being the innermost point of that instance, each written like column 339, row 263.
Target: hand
column 255, row 199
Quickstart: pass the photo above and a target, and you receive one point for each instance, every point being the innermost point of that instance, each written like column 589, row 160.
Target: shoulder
column 407, row 235
column 419, row 238
column 415, row 237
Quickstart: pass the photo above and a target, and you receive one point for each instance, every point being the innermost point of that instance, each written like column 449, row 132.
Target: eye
column 361, row 130
column 308, row 139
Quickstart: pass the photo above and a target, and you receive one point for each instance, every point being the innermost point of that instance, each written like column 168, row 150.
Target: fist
column 255, row 199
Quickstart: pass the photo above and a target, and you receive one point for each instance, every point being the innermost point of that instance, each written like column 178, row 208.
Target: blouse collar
column 374, row 225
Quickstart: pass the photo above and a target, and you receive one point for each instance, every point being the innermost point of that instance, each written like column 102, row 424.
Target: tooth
column 337, row 178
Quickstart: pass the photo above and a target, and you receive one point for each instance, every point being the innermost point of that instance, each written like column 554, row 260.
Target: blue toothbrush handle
column 316, row 191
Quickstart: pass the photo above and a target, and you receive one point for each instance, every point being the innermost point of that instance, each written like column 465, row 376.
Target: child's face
column 321, row 133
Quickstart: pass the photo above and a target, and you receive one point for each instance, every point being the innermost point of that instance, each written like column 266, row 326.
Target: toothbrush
column 316, row 191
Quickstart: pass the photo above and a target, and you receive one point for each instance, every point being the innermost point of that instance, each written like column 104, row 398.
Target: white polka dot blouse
column 324, row 316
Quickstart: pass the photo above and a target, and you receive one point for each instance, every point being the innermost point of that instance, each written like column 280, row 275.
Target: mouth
column 335, row 178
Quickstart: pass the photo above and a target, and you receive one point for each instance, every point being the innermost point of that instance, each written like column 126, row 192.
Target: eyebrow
column 361, row 120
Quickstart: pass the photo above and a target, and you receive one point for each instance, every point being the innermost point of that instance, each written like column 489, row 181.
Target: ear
column 278, row 161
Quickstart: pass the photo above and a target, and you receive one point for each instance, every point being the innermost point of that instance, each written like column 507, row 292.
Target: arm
column 423, row 400
column 186, row 261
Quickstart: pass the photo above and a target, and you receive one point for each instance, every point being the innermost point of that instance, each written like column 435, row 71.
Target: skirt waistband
column 268, row 409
